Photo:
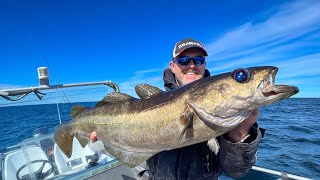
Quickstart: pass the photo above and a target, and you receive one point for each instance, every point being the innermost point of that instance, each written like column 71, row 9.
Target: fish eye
column 241, row 75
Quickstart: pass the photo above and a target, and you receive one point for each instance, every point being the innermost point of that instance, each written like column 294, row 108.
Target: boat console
column 40, row 158
column 30, row 159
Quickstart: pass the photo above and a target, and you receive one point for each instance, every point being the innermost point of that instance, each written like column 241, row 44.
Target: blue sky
column 131, row 42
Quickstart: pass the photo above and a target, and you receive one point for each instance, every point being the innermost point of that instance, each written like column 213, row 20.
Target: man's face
column 190, row 72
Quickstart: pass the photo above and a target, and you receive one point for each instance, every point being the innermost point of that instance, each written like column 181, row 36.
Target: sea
column 291, row 141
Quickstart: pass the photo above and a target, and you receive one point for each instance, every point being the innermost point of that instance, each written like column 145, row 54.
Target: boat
column 38, row 157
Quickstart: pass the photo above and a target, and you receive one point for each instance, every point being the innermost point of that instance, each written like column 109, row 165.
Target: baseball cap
column 186, row 44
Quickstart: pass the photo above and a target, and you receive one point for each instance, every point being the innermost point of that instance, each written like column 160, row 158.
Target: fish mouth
column 269, row 90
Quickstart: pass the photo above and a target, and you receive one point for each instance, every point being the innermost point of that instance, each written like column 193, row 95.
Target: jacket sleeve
column 236, row 159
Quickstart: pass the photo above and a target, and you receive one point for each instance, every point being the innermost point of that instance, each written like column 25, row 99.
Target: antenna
column 43, row 76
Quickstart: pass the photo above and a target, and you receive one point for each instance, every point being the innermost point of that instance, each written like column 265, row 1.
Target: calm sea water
column 291, row 142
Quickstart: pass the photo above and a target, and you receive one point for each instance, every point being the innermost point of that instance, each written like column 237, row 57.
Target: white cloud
column 148, row 71
column 288, row 37
column 149, row 76
column 301, row 66
column 288, row 22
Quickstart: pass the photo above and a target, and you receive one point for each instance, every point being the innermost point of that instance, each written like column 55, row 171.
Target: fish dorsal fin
column 114, row 97
column 76, row 110
column 145, row 91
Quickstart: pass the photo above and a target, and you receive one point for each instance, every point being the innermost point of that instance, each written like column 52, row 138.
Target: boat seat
column 17, row 159
column 76, row 162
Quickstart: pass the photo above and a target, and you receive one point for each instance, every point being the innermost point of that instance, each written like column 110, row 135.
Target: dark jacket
column 197, row 161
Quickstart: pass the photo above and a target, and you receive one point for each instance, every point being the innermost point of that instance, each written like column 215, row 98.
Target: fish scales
column 133, row 130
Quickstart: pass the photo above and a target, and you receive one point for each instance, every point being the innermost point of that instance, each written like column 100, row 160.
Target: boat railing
column 44, row 84
column 19, row 93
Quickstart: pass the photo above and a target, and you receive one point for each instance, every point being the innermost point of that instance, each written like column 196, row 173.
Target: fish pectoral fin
column 129, row 158
column 187, row 121
column 216, row 122
column 214, row 145
column 145, row 91
column 114, row 97
column 76, row 110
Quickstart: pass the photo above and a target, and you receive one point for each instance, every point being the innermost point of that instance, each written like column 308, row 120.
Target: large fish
column 133, row 130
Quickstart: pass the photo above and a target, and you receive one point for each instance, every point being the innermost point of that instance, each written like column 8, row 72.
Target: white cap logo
column 190, row 43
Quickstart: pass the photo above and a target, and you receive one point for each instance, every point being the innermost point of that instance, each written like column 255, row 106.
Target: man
column 238, row 147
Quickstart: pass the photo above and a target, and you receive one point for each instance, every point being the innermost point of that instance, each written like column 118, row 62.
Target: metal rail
column 22, row 92
column 278, row 173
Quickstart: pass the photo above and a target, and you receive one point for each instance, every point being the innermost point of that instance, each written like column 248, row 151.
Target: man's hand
column 239, row 132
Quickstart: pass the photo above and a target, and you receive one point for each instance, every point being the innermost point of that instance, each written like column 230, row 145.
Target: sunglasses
column 185, row 61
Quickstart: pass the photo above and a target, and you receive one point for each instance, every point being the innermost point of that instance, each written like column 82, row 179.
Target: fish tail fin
column 63, row 137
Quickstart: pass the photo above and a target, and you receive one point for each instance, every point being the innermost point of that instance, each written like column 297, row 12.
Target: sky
column 131, row 42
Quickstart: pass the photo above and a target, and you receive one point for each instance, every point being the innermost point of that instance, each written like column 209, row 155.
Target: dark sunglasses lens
column 184, row 60
column 198, row 61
